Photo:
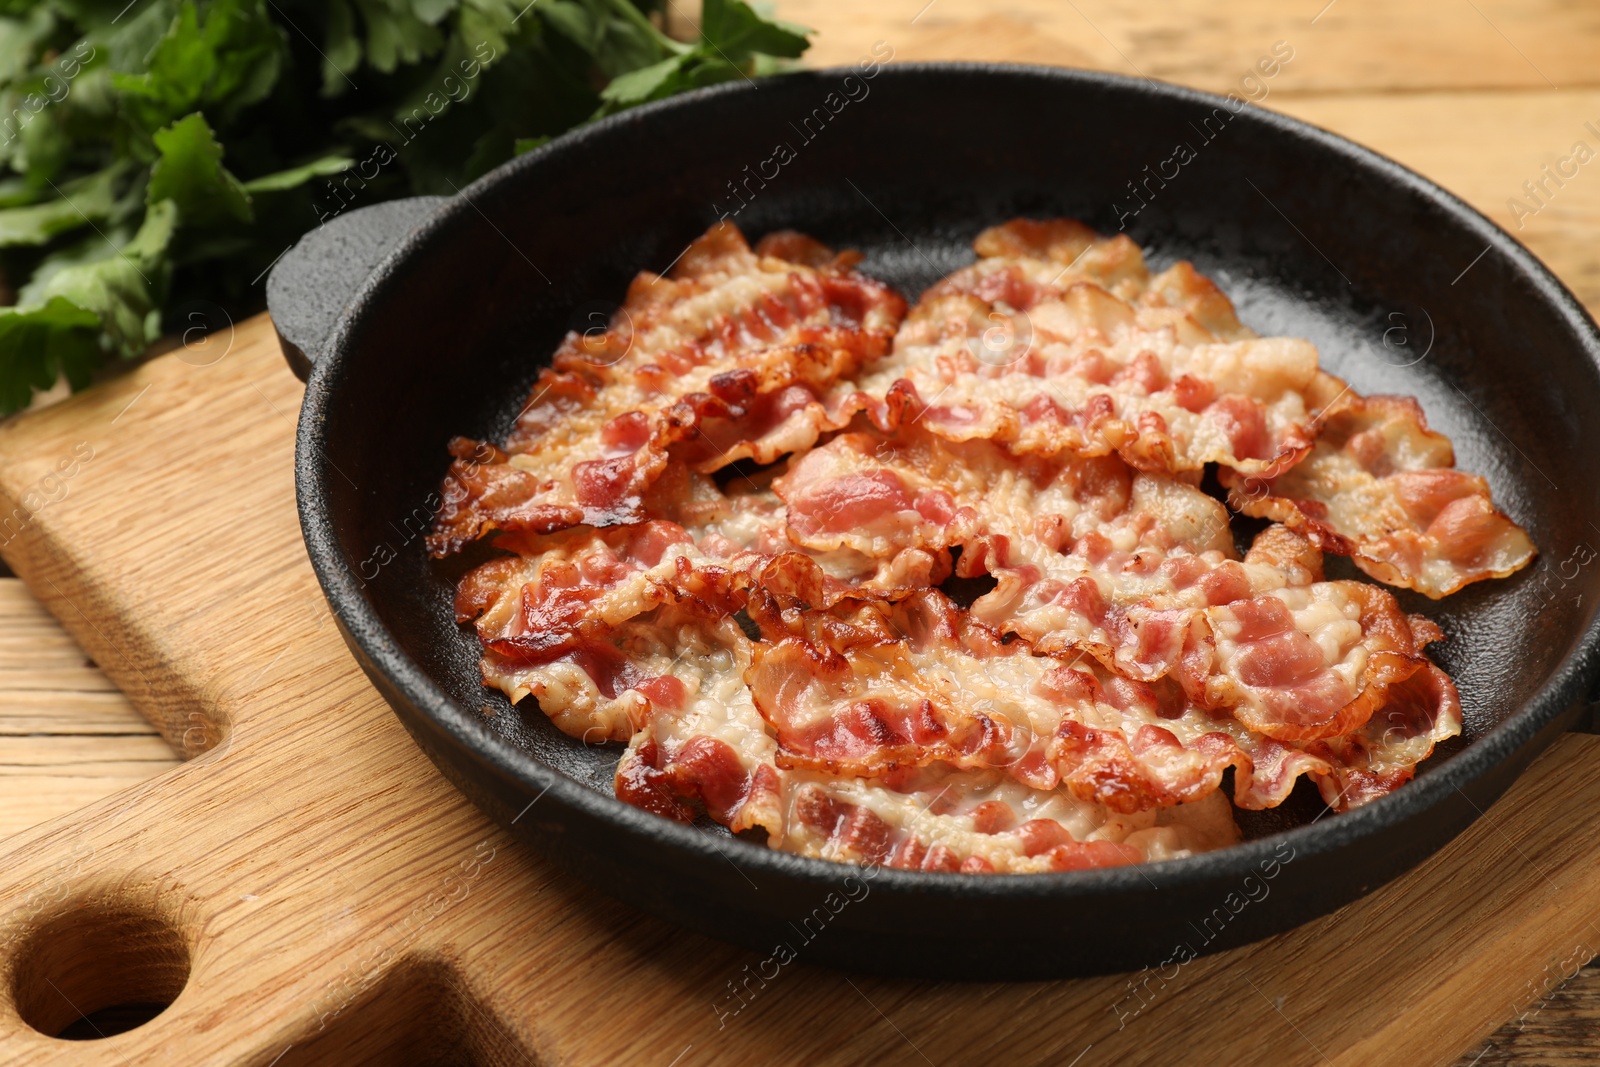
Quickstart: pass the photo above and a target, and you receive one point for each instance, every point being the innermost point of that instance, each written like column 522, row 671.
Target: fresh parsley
column 157, row 156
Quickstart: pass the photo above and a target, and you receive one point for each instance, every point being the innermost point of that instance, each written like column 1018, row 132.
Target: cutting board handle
column 311, row 284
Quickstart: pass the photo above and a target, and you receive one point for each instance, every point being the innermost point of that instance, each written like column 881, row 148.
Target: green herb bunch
column 157, row 156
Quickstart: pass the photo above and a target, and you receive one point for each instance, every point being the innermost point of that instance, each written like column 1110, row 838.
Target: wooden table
column 1477, row 94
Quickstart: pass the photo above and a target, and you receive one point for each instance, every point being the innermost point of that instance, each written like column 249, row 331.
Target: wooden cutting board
column 310, row 890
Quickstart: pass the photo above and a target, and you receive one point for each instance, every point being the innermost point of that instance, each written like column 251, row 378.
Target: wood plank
column 68, row 737
column 31, row 799
column 1528, row 131
column 91, row 755
column 48, row 684
column 1555, row 1030
column 1342, row 46
column 318, row 868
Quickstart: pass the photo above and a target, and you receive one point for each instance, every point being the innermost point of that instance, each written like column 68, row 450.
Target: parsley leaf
column 737, row 32
column 190, row 173
column 732, row 38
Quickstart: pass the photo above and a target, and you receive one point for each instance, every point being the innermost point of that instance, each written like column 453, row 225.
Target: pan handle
column 312, row 283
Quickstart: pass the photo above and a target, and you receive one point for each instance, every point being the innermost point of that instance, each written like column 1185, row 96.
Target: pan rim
column 491, row 753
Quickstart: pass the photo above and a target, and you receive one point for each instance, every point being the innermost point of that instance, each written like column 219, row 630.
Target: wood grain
column 340, row 901
column 1342, row 46
column 67, row 735
column 1556, row 1030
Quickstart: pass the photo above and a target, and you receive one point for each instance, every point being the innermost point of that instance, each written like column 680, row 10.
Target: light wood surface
column 1341, row 46
column 67, row 735
column 297, row 860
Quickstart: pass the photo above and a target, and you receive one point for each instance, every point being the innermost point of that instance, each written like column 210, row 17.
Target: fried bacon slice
column 878, row 494
column 532, row 609
column 940, row 819
column 1379, row 758
column 566, row 601
column 1382, row 488
column 880, row 687
column 723, row 360
column 701, row 746
column 1292, row 656
column 1158, row 749
column 597, row 688
column 869, row 688
column 1059, row 341
column 1313, row 661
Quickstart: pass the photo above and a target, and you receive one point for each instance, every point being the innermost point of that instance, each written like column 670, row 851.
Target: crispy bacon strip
column 882, row 688
column 601, row 687
column 865, row 690
column 1383, row 755
column 1057, row 341
column 701, row 747
column 581, row 583
column 724, row 360
column 940, row 819
column 1157, row 754
column 698, row 743
column 1309, row 662
column 568, row 601
column 1382, row 488
column 1132, row 745
column 878, row 494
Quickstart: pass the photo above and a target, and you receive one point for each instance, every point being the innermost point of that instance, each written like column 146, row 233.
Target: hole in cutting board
column 421, row 1013
column 97, row 970
column 116, row 1019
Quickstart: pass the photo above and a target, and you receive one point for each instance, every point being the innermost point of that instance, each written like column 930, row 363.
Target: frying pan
column 419, row 320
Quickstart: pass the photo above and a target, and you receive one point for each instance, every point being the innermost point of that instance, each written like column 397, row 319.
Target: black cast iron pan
column 1403, row 288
